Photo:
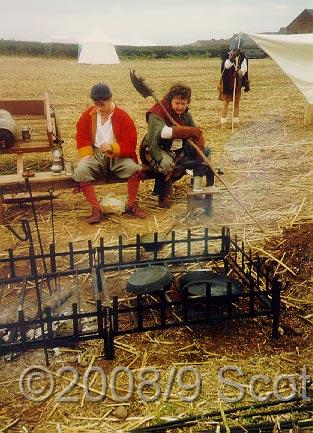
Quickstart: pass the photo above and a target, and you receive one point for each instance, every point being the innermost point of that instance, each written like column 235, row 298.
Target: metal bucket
column 8, row 130
column 69, row 168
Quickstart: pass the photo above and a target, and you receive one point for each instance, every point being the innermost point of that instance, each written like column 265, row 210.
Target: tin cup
column 69, row 168
column 26, row 136
column 197, row 183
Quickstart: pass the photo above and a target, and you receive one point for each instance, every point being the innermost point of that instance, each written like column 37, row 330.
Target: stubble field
column 268, row 164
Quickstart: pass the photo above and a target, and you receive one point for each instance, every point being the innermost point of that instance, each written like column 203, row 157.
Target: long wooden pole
column 208, row 162
column 234, row 90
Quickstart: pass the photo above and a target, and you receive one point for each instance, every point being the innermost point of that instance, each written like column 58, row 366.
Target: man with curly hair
column 165, row 146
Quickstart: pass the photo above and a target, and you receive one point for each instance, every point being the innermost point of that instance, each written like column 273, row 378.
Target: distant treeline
column 53, row 49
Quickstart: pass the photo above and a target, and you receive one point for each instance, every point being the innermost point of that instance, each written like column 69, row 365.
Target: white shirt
column 104, row 132
column 243, row 68
column 167, row 133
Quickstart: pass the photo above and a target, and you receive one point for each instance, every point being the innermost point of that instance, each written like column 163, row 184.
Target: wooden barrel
column 8, row 130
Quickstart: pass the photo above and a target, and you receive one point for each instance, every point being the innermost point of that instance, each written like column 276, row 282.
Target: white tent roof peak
column 97, row 53
column 97, row 35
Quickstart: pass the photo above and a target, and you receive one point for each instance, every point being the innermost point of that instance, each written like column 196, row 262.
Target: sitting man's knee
column 83, row 173
column 207, row 151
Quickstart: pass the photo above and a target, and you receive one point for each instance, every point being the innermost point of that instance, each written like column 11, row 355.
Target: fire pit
column 197, row 281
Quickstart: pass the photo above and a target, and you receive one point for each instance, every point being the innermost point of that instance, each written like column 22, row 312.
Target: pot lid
column 149, row 279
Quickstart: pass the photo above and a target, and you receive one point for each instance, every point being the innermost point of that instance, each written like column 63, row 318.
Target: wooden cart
column 41, row 119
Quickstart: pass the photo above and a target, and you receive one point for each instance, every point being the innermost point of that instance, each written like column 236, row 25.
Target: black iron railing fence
column 167, row 307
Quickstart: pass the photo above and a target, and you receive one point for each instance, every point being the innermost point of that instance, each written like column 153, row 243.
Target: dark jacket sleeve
column 155, row 126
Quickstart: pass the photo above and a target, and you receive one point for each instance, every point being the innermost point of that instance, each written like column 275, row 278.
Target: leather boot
column 90, row 195
column 96, row 216
column 209, row 177
column 165, row 200
column 132, row 206
column 135, row 210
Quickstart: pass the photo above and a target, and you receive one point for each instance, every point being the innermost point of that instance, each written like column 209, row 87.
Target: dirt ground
column 267, row 163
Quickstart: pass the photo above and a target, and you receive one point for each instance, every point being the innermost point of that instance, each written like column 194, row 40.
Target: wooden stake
column 234, row 90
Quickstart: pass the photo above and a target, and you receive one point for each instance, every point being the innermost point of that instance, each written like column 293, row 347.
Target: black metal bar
column 28, row 187
column 206, row 243
column 173, row 252
column 223, row 248
column 138, row 248
column 120, row 250
column 229, row 300
column 12, row 262
column 243, row 257
column 139, row 312
column 39, row 304
column 22, row 329
column 250, row 263
column 32, row 260
column 49, row 322
column 258, row 271
column 53, row 266
column 90, row 254
column 100, row 316
column 101, row 252
column 71, row 254
column 189, row 243
column 276, row 288
column 162, row 308
column 227, row 240
column 115, row 314
column 236, row 248
column 155, row 250
column 51, row 196
column 111, row 348
column 207, row 300
column 75, row 322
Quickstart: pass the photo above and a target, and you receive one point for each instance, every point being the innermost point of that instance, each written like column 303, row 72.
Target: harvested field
column 267, row 163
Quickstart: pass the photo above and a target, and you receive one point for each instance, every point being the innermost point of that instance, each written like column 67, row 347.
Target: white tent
column 294, row 54
column 98, row 53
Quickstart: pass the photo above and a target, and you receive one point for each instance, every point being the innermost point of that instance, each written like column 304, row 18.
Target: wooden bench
column 42, row 181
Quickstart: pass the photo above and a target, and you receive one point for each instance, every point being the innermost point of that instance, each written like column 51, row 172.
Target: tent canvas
column 98, row 53
column 294, row 54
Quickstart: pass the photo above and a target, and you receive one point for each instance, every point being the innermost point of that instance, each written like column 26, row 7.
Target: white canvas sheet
column 98, row 53
column 294, row 54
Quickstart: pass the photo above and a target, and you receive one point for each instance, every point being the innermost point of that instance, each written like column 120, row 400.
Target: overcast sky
column 143, row 21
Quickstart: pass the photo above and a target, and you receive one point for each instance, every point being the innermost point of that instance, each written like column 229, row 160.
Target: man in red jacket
column 106, row 141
